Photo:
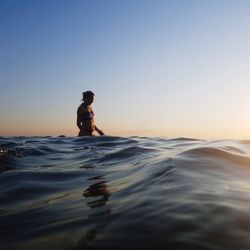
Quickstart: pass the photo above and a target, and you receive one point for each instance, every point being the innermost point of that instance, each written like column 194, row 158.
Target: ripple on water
column 124, row 193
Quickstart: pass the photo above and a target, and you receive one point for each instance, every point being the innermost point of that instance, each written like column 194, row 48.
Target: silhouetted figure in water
column 85, row 116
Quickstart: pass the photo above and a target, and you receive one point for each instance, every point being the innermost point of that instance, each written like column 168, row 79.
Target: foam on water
column 124, row 193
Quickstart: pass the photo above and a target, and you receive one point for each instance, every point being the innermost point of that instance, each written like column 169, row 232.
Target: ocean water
column 124, row 193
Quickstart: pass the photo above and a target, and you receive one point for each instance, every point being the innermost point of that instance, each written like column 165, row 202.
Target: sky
column 172, row 68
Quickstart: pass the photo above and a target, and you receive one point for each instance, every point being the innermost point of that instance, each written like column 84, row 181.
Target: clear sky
column 175, row 68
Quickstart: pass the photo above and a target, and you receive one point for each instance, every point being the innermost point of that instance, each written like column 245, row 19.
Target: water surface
column 124, row 193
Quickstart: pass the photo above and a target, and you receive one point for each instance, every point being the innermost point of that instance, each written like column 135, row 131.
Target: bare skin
column 85, row 118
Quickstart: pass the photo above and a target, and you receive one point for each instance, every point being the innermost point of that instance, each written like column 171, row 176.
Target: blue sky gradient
column 158, row 68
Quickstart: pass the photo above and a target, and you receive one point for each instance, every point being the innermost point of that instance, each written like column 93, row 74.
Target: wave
column 229, row 154
column 115, row 192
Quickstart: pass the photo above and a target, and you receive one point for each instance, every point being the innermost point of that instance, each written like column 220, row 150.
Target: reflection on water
column 97, row 194
column 98, row 190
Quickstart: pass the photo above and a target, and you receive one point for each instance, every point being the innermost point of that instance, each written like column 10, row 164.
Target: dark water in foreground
column 124, row 193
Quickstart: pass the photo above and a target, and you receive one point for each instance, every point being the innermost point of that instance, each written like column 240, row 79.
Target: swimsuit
column 88, row 115
column 87, row 118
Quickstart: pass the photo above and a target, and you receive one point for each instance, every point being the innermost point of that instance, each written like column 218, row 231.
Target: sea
column 109, row 192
